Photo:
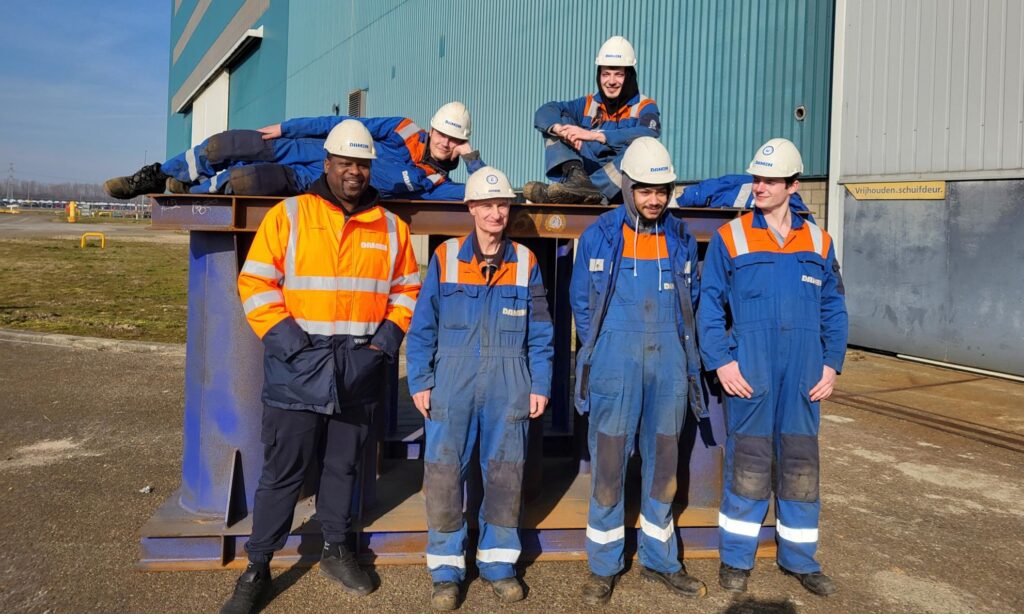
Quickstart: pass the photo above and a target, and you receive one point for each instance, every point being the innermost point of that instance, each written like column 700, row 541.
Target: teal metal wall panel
column 256, row 97
column 179, row 133
column 214, row 19
column 727, row 74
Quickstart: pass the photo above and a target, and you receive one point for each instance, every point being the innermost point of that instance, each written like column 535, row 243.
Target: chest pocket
column 812, row 275
column 513, row 302
column 754, row 275
column 624, row 292
column 457, row 305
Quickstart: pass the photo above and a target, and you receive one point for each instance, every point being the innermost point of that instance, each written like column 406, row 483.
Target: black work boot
column 251, row 589
column 338, row 564
column 176, row 187
column 508, row 590
column 815, row 582
column 536, row 192
column 597, row 590
column 679, row 582
column 146, row 180
column 576, row 188
column 444, row 596
column 733, row 579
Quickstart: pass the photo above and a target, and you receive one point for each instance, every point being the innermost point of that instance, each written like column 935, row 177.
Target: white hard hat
column 616, row 51
column 487, row 183
column 777, row 158
column 647, row 161
column 351, row 139
column 452, row 119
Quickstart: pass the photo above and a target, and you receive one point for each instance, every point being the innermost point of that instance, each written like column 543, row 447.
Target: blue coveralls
column 728, row 191
column 482, row 349
column 602, row 161
column 637, row 371
column 788, row 320
column 399, row 172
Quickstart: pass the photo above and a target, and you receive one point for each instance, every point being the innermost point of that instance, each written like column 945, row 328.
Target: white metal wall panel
column 210, row 109
column 933, row 88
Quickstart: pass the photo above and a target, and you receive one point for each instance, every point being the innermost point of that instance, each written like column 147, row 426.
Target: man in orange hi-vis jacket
column 329, row 285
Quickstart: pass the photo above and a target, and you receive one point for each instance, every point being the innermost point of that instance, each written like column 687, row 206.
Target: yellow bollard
column 72, row 212
column 93, row 235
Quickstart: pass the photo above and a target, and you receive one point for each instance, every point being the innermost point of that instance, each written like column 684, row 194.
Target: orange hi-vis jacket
column 319, row 290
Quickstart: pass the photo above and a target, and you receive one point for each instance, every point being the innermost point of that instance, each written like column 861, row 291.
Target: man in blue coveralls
column 632, row 292
column 585, row 138
column 775, row 274
column 285, row 159
column 479, row 355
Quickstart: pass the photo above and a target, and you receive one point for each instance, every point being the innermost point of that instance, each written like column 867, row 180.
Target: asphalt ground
column 36, row 224
column 914, row 519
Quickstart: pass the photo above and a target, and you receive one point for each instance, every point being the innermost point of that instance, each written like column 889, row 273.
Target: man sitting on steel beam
column 329, row 285
column 585, row 139
column 285, row 159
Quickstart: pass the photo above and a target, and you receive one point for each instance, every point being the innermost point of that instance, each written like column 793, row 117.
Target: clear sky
column 83, row 87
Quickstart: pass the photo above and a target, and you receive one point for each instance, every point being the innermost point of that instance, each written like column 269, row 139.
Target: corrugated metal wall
column 933, row 88
column 727, row 74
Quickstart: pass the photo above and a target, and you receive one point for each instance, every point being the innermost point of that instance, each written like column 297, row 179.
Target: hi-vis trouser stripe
column 522, row 266
column 739, row 239
column 797, row 536
column 738, row 527
column 613, row 173
column 662, row 534
column 190, row 160
column 435, row 561
column 816, row 238
column 263, row 298
column 634, row 111
column 218, row 180
column 741, row 197
column 605, row 537
column 408, row 131
column 497, row 555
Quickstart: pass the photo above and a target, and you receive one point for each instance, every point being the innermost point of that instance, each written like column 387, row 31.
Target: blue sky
column 83, row 87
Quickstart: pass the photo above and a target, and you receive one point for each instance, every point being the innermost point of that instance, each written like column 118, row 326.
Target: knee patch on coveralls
column 444, row 496
column 798, row 471
column 611, row 452
column 503, row 493
column 752, row 467
column 263, row 180
column 666, row 466
column 238, row 146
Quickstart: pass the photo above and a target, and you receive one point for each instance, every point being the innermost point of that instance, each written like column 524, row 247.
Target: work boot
column 576, row 188
column 679, row 582
column 597, row 590
column 147, row 180
column 733, row 579
column 251, row 589
column 815, row 582
column 174, row 186
column 338, row 564
column 536, row 192
column 445, row 596
column 508, row 590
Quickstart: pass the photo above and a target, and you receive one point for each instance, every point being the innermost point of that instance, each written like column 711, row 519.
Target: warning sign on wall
column 899, row 190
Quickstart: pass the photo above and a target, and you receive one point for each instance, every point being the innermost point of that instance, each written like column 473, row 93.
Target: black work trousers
column 294, row 442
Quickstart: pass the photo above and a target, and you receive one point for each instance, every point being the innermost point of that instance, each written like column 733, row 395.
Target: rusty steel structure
column 204, row 524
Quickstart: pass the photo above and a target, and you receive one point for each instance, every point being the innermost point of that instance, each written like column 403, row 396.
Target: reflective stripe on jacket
column 314, row 280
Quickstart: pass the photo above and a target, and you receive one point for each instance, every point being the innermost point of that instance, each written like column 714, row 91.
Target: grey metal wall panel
column 933, row 88
column 940, row 279
column 726, row 74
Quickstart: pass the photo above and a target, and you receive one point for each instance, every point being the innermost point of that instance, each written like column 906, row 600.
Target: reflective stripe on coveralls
column 481, row 349
column 789, row 319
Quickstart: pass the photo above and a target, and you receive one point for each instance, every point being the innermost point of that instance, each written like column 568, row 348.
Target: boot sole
column 650, row 576
column 787, row 572
column 345, row 587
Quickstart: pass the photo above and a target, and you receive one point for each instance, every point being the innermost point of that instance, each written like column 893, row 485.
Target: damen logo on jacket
column 505, row 311
column 371, row 245
column 810, row 280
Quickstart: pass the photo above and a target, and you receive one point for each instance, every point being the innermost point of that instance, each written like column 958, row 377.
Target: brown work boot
column 445, row 596
column 536, row 192
column 679, row 582
column 147, row 180
column 815, row 582
column 577, row 188
column 176, row 187
column 508, row 590
column 597, row 590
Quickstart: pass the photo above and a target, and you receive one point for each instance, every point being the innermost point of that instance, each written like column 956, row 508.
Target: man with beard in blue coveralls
column 585, row 138
column 775, row 274
column 632, row 292
column 479, row 355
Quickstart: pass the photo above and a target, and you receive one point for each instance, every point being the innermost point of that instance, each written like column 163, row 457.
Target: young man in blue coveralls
column 633, row 290
column 285, row 159
column 479, row 355
column 585, row 138
column 775, row 274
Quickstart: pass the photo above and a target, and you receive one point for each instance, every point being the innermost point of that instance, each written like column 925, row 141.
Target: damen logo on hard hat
column 359, row 145
column 492, row 179
column 658, row 169
column 768, row 150
column 451, row 123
